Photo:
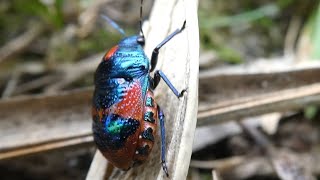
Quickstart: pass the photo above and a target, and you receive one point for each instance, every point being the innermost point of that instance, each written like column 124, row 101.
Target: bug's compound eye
column 129, row 79
column 142, row 68
column 141, row 40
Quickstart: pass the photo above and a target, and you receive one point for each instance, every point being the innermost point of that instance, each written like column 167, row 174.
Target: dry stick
column 215, row 175
column 11, row 85
column 179, row 60
column 71, row 73
column 21, row 42
column 220, row 164
column 39, row 123
column 61, row 143
column 65, row 75
column 246, row 81
column 293, row 98
column 292, row 35
column 286, row 167
column 244, row 167
column 88, row 18
column 37, row 83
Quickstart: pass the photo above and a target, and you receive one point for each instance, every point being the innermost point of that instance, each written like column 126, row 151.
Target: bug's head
column 132, row 41
column 141, row 40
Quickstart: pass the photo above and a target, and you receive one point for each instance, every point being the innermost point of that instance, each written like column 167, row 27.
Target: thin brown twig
column 21, row 42
column 11, row 85
column 88, row 18
column 270, row 102
column 292, row 35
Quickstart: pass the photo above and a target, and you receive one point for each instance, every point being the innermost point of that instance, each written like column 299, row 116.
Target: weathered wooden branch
column 179, row 60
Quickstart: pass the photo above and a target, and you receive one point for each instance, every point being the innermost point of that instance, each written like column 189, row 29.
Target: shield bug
column 125, row 114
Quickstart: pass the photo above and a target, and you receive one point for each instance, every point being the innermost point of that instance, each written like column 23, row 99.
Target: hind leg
column 163, row 141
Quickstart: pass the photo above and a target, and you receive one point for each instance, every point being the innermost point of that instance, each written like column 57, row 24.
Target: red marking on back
column 110, row 52
column 131, row 105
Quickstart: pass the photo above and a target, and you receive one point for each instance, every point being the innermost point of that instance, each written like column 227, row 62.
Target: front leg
column 155, row 52
column 158, row 75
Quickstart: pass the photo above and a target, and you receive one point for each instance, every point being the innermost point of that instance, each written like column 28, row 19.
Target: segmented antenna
column 141, row 18
column 114, row 24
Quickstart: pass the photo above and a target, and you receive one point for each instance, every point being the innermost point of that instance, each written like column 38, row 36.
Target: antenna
column 141, row 18
column 114, row 24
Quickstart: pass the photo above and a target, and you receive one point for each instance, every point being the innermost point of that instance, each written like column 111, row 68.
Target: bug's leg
column 155, row 52
column 163, row 141
column 158, row 75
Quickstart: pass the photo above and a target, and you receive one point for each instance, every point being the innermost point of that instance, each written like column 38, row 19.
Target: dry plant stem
column 292, row 35
column 71, row 73
column 285, row 165
column 40, row 123
column 21, row 42
column 244, row 167
column 215, row 175
column 245, row 81
column 293, row 98
column 64, row 76
column 183, row 52
column 221, row 164
column 11, row 85
column 260, row 139
column 37, row 83
column 37, row 148
column 88, row 18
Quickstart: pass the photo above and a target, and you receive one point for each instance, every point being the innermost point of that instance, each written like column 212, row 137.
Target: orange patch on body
column 110, row 52
column 144, row 126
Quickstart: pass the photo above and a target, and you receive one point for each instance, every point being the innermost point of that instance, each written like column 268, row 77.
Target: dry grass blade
column 220, row 164
column 215, row 175
column 179, row 60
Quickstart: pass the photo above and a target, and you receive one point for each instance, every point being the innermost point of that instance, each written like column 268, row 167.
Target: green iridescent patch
column 149, row 102
column 148, row 116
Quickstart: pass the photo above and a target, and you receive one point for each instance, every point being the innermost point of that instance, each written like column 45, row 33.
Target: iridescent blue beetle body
column 124, row 112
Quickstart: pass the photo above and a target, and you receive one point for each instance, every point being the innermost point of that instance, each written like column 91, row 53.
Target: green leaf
column 316, row 35
column 310, row 112
column 51, row 15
